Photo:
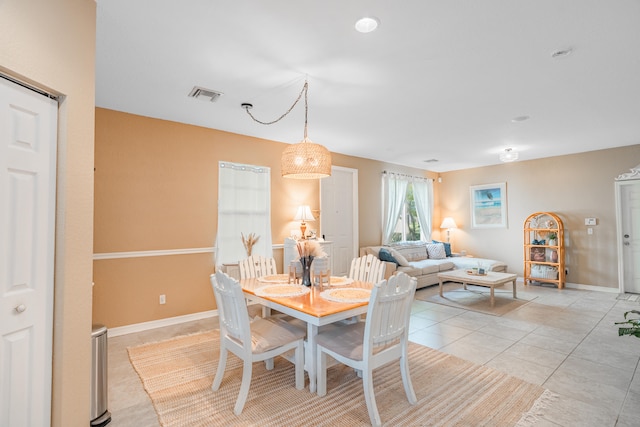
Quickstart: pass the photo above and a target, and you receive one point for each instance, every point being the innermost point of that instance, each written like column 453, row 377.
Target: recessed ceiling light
column 520, row 119
column 562, row 53
column 367, row 24
column 431, row 160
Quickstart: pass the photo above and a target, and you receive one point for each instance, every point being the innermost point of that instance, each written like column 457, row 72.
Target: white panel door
column 28, row 127
column 630, row 230
column 339, row 216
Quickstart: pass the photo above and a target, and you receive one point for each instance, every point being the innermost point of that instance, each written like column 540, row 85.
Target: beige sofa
column 414, row 260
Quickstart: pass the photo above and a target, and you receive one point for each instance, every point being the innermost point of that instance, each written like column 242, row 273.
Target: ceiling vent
column 204, row 94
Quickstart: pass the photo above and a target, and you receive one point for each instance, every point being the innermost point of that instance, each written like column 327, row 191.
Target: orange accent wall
column 156, row 188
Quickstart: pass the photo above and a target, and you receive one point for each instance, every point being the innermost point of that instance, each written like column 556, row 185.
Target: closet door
column 28, row 127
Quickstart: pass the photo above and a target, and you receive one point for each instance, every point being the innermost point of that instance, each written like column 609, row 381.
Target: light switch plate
column 589, row 221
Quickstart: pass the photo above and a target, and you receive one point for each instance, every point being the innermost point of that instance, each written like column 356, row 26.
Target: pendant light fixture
column 306, row 159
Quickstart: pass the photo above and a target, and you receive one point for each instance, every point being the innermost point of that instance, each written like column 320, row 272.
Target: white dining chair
column 367, row 268
column 255, row 341
column 379, row 340
column 256, row 266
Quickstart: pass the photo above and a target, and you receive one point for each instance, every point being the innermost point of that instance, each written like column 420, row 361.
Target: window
column 244, row 207
column 408, row 226
column 408, row 203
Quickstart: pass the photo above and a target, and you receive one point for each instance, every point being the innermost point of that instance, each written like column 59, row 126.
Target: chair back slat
column 367, row 268
column 389, row 311
column 256, row 266
column 232, row 308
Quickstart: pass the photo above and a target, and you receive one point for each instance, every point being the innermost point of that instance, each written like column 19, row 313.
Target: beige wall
column 156, row 189
column 156, row 186
column 575, row 187
column 34, row 48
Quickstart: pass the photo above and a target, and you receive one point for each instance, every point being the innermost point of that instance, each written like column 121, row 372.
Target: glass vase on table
column 306, row 269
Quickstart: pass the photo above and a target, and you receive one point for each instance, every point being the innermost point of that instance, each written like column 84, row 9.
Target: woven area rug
column 177, row 374
column 475, row 298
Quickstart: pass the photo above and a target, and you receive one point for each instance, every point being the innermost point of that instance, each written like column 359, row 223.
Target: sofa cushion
column 436, row 251
column 399, row 258
column 410, row 271
column 447, row 246
column 432, row 266
column 385, row 255
column 412, row 251
column 488, row 264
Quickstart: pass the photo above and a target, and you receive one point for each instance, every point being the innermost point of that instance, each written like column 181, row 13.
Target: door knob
column 626, row 236
column 21, row 308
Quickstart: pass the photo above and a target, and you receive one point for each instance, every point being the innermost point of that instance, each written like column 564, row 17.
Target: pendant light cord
column 304, row 90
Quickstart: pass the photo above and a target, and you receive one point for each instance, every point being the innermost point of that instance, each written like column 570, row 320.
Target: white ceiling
column 438, row 79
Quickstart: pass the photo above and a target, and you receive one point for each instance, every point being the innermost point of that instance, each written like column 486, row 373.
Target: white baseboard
column 169, row 321
column 583, row 287
column 592, row 288
column 145, row 326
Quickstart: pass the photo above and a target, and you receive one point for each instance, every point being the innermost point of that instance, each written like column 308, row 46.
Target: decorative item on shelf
column 537, row 254
column 304, row 160
column 303, row 214
column 552, row 238
column 249, row 241
column 308, row 250
column 448, row 223
column 554, row 256
column 538, row 242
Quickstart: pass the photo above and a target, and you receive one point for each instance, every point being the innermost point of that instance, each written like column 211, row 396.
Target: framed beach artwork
column 489, row 205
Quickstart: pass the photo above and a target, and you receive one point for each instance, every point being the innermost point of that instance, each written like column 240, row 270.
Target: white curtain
column 394, row 193
column 423, row 196
column 244, row 207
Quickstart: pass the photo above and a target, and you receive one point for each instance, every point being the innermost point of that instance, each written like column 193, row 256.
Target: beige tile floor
column 564, row 340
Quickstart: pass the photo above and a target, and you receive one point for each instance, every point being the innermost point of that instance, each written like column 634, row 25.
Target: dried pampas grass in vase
column 249, row 241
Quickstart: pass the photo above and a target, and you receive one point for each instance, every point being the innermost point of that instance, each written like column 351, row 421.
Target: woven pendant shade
column 306, row 160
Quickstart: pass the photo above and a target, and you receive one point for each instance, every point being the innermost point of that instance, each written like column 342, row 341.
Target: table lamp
column 448, row 223
column 304, row 214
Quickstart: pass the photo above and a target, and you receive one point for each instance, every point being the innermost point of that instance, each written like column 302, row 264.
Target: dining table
column 315, row 305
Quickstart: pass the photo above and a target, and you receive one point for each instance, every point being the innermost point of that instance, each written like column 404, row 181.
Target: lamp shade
column 306, row 160
column 448, row 222
column 304, row 214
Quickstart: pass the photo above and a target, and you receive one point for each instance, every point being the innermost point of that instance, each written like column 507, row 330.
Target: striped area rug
column 177, row 374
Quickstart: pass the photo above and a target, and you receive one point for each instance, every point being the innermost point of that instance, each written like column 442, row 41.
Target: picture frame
column 488, row 205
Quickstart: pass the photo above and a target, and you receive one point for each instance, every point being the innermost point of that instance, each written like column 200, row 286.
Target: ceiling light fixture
column 304, row 160
column 367, row 24
column 509, row 155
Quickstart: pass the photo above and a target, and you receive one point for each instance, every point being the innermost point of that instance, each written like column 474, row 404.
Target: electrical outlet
column 163, row 299
column 566, row 271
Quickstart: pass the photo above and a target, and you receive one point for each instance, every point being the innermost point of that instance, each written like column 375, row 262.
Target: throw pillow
column 447, row 247
column 436, row 251
column 385, row 255
column 402, row 261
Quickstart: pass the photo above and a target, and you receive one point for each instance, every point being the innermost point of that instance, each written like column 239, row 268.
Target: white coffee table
column 490, row 280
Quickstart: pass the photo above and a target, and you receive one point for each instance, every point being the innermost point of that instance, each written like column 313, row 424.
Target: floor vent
column 204, row 94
